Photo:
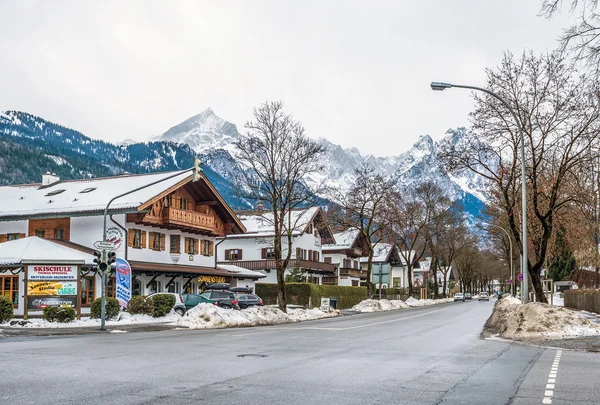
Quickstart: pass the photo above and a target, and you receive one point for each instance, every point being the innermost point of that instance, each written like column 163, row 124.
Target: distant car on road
column 179, row 306
column 459, row 297
column 468, row 296
column 249, row 300
column 484, row 296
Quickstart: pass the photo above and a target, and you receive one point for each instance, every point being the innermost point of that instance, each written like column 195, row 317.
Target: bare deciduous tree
column 362, row 208
column 279, row 156
column 558, row 110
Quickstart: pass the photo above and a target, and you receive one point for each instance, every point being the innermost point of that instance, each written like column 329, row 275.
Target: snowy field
column 391, row 305
column 513, row 320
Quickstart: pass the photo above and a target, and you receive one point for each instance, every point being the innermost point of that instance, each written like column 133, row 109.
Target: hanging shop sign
column 37, row 303
column 53, row 272
column 51, row 288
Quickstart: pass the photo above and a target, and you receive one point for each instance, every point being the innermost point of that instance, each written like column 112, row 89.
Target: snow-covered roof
column 261, row 225
column 344, row 240
column 241, row 271
column 381, row 254
column 85, row 195
column 42, row 251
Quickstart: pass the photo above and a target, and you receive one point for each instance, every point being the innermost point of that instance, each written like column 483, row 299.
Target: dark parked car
column 191, row 300
column 225, row 298
column 468, row 296
column 249, row 300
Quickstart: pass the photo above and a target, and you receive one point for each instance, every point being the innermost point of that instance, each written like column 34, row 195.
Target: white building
column 167, row 231
column 345, row 255
column 254, row 250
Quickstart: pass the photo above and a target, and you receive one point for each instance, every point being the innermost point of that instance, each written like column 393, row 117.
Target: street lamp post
column 525, row 268
column 512, row 274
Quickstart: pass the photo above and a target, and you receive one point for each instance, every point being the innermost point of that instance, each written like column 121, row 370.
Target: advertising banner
column 51, row 288
column 54, row 272
column 38, row 303
column 123, row 278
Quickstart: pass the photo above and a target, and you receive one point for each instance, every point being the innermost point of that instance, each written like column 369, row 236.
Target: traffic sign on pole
column 104, row 245
column 520, row 276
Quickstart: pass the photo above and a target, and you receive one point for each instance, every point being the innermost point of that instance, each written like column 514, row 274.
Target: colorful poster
column 123, row 278
column 55, row 272
column 51, row 288
column 36, row 303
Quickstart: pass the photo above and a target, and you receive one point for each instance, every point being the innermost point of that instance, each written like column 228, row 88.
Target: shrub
column 298, row 293
column 112, row 308
column 63, row 315
column 163, row 304
column 6, row 309
column 140, row 305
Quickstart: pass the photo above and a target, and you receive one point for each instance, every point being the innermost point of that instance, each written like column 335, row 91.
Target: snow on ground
column 205, row 316
column 557, row 301
column 124, row 319
column 513, row 320
column 390, row 305
column 379, row 305
column 412, row 302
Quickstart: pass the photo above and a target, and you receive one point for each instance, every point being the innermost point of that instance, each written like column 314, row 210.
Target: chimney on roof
column 49, row 178
column 259, row 206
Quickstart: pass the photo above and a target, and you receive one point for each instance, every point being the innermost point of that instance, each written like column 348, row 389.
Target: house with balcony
column 254, row 250
column 350, row 245
column 385, row 264
column 167, row 231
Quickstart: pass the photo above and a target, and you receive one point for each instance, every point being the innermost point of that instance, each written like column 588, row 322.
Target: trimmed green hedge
column 298, row 293
column 112, row 308
column 588, row 300
column 162, row 304
column 6, row 309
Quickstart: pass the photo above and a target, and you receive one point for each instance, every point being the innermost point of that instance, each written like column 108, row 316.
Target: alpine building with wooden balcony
column 350, row 245
column 253, row 250
column 167, row 231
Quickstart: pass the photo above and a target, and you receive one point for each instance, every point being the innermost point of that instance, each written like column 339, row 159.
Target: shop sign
column 115, row 235
column 51, row 288
column 54, row 272
column 37, row 303
column 211, row 279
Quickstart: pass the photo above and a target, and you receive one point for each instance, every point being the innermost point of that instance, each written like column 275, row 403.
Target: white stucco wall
column 14, row 227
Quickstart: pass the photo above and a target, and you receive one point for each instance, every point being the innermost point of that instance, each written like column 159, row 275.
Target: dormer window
column 87, row 190
column 55, row 192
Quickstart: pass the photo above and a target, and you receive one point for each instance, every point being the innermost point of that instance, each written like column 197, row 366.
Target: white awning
column 40, row 251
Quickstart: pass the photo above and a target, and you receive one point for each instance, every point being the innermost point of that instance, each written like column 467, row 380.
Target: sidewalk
column 7, row 331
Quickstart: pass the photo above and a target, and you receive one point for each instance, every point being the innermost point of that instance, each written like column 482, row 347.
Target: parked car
column 484, row 296
column 225, row 298
column 249, row 300
column 191, row 300
column 179, row 306
column 459, row 297
column 468, row 296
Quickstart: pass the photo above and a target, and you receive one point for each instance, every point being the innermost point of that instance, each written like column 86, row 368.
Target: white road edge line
column 549, row 391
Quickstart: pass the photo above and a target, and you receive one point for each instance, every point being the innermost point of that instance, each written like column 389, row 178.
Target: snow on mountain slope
column 213, row 137
column 203, row 132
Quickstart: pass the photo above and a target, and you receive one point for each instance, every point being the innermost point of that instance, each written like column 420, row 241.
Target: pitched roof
column 343, row 240
column 34, row 249
column 261, row 225
column 90, row 196
column 381, row 254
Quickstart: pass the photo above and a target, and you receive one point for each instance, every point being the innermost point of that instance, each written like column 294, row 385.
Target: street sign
column 520, row 276
column 104, row 245
column 510, row 281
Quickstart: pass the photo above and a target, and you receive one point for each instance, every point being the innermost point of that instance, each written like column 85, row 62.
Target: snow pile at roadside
column 124, row 319
column 513, row 320
column 206, row 316
column 412, row 302
column 379, row 305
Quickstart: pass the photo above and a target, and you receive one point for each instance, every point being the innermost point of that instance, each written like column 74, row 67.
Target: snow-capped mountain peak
column 203, row 132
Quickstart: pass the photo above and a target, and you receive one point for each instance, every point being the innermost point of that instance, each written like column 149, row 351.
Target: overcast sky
column 354, row 72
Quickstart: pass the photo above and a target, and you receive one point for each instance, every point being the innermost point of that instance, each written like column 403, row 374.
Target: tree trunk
column 445, row 294
column 369, row 271
column 537, row 286
column 409, row 272
column 281, row 296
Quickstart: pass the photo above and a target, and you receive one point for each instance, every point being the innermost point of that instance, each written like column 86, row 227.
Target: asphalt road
column 429, row 355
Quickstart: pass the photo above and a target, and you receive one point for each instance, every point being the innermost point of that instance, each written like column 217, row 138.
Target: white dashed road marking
column 549, row 391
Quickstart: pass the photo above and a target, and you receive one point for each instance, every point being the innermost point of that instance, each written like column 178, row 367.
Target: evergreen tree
column 563, row 263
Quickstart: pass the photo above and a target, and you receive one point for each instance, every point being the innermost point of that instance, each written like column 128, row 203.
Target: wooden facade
column 55, row 228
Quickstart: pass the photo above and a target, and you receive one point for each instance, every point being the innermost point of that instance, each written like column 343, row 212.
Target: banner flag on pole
column 123, row 281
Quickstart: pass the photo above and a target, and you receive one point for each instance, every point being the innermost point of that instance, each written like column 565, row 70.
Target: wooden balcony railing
column 330, row 281
column 353, row 273
column 269, row 264
column 174, row 216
